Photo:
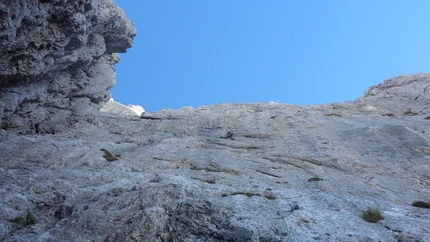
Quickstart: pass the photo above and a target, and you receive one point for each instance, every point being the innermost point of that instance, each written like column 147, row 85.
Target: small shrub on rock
column 109, row 156
column 372, row 215
column 24, row 222
column 421, row 204
column 409, row 113
column 333, row 115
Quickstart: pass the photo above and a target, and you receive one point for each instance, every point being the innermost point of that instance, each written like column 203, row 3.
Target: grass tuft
column 314, row 179
column 29, row 220
column 421, row 204
column 333, row 114
column 388, row 114
column 409, row 113
column 372, row 215
column 109, row 156
column 17, row 220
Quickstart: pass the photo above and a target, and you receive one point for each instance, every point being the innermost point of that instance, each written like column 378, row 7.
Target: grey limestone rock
column 409, row 93
column 302, row 173
column 305, row 173
column 405, row 87
column 56, row 60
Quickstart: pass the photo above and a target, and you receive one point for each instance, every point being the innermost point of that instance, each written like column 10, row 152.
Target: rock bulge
column 57, row 60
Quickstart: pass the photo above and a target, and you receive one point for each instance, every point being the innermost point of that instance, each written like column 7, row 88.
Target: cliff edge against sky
column 57, row 60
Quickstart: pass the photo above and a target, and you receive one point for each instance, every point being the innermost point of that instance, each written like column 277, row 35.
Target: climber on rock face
column 229, row 135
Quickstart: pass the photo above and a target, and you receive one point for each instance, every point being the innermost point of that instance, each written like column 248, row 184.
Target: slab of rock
column 305, row 173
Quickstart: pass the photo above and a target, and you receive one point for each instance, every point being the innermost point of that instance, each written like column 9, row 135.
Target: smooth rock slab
column 318, row 167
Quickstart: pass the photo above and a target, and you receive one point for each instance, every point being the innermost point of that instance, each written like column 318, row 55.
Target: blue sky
column 194, row 52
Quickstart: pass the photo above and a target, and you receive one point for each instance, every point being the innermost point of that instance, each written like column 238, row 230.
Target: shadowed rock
column 56, row 60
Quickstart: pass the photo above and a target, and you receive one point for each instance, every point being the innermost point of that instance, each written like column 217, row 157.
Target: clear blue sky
column 201, row 52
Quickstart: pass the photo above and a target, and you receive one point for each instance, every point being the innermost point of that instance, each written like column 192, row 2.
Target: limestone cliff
column 302, row 173
column 404, row 88
column 56, row 60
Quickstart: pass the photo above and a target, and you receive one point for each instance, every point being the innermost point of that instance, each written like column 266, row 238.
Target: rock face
column 71, row 173
column 302, row 173
column 404, row 88
column 56, row 60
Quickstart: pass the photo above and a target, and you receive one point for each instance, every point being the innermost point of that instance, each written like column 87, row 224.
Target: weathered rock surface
column 404, row 88
column 175, row 180
column 71, row 173
column 56, row 60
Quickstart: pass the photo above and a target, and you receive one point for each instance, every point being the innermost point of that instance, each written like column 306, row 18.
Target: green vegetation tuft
column 314, row 179
column 17, row 220
column 409, row 113
column 109, row 156
column 372, row 215
column 333, row 114
column 388, row 114
column 29, row 220
column 37, row 191
column 421, row 204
